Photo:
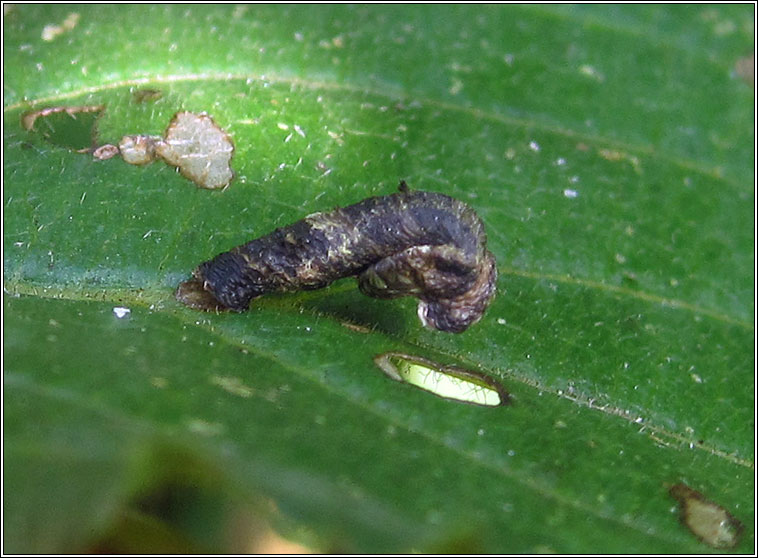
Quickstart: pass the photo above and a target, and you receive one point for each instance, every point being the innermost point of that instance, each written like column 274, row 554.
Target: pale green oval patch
column 449, row 382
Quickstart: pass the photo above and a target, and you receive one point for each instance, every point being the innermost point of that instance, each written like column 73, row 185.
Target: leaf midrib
column 648, row 151
column 156, row 301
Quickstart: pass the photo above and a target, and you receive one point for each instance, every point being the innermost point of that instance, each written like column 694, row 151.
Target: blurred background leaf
column 609, row 150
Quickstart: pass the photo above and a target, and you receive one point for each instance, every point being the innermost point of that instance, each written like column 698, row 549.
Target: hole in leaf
column 74, row 128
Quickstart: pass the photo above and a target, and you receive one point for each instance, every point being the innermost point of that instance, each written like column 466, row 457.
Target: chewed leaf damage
column 72, row 127
column 193, row 143
column 449, row 382
column 199, row 149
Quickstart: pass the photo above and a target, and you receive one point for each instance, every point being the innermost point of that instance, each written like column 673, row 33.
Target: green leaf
column 608, row 150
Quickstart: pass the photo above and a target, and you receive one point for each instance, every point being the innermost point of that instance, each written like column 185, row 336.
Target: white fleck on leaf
column 121, row 312
column 51, row 31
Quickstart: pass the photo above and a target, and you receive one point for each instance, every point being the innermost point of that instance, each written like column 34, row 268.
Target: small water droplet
column 121, row 312
column 449, row 382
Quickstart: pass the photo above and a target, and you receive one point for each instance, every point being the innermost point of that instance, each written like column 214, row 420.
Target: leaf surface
column 607, row 150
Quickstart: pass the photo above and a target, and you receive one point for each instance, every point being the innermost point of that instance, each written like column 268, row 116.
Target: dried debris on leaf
column 193, row 143
column 105, row 152
column 138, row 150
column 201, row 150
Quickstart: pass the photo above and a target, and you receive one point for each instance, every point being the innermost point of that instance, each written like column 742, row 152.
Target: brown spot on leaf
column 355, row 327
column 745, row 68
column 105, row 152
column 138, row 150
column 192, row 294
column 146, row 95
column 708, row 521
